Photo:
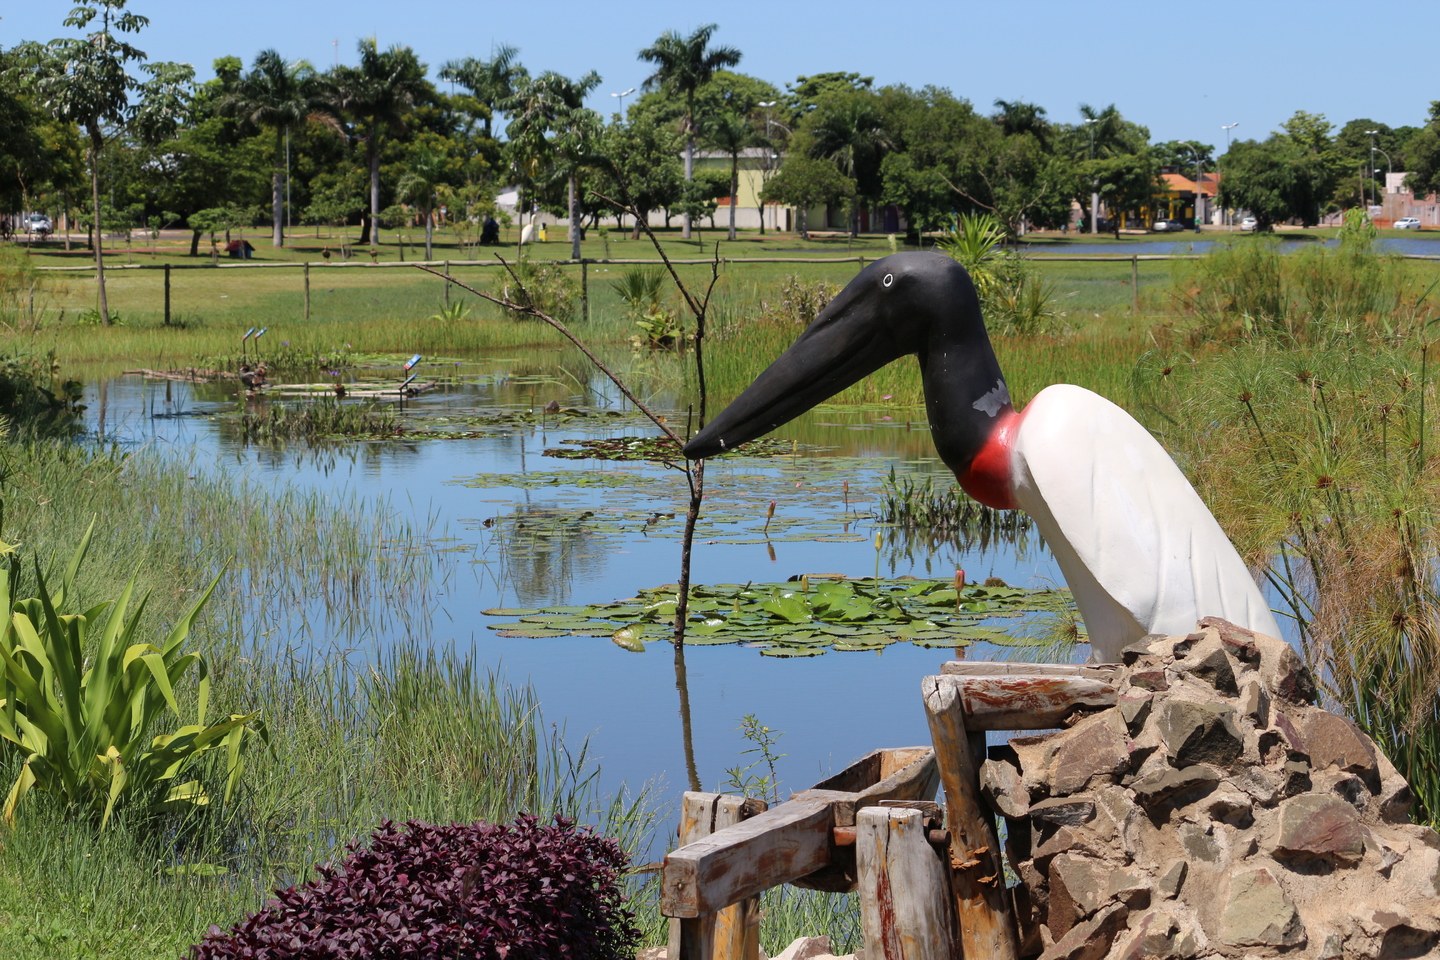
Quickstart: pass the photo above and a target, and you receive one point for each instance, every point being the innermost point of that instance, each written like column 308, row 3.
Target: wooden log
column 1025, row 703
column 986, row 928
column 732, row 933
column 894, row 773
column 906, row 908
column 1007, row 668
column 769, row 849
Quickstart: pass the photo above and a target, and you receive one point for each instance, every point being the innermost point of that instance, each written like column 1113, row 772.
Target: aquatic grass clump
column 319, row 420
column 947, row 509
column 1320, row 463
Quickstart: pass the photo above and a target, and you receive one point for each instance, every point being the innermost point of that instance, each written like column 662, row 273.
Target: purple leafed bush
column 510, row 892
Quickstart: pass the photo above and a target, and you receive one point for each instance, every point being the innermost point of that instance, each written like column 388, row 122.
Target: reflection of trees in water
column 542, row 547
column 1008, row 531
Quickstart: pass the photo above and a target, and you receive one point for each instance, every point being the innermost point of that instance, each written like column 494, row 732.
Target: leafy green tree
column 731, row 133
column 1265, row 179
column 378, row 96
column 1178, row 153
column 278, row 95
column 805, row 93
column 426, row 172
column 1424, row 156
column 1127, row 183
column 684, row 65
column 492, row 82
column 643, row 166
column 849, row 130
column 552, row 132
column 806, row 182
column 87, row 82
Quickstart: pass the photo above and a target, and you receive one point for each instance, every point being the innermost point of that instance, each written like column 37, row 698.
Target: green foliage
column 766, row 784
column 1249, row 289
column 540, row 286
column 805, row 182
column 83, row 709
column 1013, row 297
column 34, row 400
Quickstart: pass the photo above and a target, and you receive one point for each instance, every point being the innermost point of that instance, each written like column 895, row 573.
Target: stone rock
column 1332, row 740
column 1283, row 672
column 1261, row 785
column 1090, row 750
column 1200, row 733
column 1169, row 884
column 1065, row 812
column 1089, row 940
column 1294, row 742
column 1395, row 796
column 1199, row 843
column 1315, row 827
column 806, row 948
column 1255, row 703
column 652, row 953
column 1150, row 680
column 1297, row 777
column 1159, row 935
column 1208, row 663
column 1157, row 786
column 1077, row 889
column 1130, row 886
column 1004, row 788
column 1134, row 710
column 1258, row 913
column 1241, row 643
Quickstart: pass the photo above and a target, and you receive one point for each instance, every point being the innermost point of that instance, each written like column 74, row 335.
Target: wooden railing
column 930, row 881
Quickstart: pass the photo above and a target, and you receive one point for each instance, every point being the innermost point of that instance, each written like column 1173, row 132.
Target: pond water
column 514, row 527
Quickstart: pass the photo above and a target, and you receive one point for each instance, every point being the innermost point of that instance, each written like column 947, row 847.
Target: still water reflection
column 510, row 526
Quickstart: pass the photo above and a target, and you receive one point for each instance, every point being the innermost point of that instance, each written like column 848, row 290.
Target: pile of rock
column 1215, row 811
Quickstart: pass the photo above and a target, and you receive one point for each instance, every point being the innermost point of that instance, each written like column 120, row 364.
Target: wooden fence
column 931, row 880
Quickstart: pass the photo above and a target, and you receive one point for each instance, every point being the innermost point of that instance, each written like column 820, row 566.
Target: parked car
column 1168, row 226
column 1407, row 223
column 1248, row 223
column 37, row 223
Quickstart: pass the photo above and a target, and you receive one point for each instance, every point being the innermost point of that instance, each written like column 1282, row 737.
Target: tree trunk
column 195, row 242
column 574, row 221
column 96, row 142
column 372, row 147
column 734, row 189
column 277, row 192
column 689, row 177
column 429, row 227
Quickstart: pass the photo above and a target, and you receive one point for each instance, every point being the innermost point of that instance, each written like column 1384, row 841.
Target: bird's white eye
column 889, row 279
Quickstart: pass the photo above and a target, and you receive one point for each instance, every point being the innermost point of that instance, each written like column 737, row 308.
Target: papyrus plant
column 84, row 700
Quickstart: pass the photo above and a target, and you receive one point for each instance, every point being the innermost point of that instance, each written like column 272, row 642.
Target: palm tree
column 492, row 81
column 378, row 95
column 850, row 131
column 424, row 174
column 1017, row 116
column 278, row 95
column 551, row 130
column 730, row 133
column 682, row 66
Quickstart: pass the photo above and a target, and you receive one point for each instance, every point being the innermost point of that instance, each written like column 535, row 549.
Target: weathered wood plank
column 740, row 861
column 734, row 932
column 1025, row 702
column 906, row 908
column 1007, row 668
column 986, row 928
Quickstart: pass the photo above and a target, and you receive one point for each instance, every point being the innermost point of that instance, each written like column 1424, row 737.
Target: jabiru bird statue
column 1138, row 548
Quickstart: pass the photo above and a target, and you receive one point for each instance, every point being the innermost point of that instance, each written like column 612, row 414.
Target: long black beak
column 846, row 343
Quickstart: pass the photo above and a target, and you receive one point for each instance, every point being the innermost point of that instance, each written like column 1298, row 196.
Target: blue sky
column 1183, row 70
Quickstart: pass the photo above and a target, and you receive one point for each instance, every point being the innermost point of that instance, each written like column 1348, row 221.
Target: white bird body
column 1138, row 548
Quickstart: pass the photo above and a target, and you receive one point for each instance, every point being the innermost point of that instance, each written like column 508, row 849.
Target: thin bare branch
column 531, row 311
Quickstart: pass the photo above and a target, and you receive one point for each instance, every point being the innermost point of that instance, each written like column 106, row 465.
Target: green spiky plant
column 84, row 698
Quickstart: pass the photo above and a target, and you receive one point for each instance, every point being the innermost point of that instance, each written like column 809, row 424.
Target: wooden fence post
column 734, row 932
column 1135, row 284
column 167, row 296
column 307, row 289
column 906, row 907
column 982, row 905
column 584, row 289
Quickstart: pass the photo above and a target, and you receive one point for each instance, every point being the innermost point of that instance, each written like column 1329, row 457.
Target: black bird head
column 907, row 303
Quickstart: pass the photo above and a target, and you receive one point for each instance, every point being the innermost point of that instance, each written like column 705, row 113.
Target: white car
column 37, row 223
column 1248, row 223
column 1407, row 223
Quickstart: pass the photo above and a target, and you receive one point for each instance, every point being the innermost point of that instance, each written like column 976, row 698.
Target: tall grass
column 1320, row 462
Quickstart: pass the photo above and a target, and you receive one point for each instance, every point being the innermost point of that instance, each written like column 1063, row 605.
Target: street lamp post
column 1227, row 127
column 622, row 95
column 1094, row 192
column 1371, row 168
